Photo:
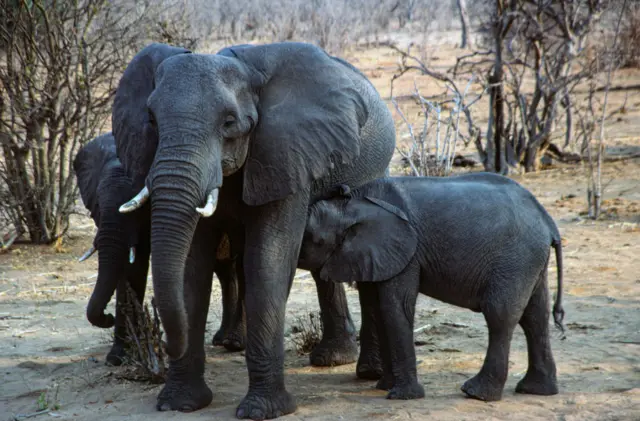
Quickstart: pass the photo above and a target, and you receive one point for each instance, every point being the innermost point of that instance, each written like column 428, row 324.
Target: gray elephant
column 254, row 135
column 123, row 244
column 479, row 241
column 122, row 241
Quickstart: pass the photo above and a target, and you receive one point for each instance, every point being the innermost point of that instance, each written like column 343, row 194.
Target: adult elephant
column 268, row 130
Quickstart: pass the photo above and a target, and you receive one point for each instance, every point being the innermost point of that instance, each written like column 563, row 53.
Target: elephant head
column 352, row 238
column 283, row 114
column 104, row 187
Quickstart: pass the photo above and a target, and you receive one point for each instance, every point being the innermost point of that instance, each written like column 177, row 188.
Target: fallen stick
column 422, row 328
column 19, row 417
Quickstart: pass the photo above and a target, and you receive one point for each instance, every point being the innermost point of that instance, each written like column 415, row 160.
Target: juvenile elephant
column 479, row 241
column 123, row 244
column 254, row 134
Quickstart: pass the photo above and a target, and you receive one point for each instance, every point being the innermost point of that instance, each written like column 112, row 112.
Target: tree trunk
column 465, row 42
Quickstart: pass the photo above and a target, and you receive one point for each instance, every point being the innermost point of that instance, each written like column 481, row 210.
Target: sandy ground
column 47, row 348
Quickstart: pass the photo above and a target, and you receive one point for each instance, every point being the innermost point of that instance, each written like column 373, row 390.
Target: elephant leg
column 137, row 279
column 369, row 365
column 338, row 345
column 369, row 303
column 273, row 238
column 541, row 373
column 395, row 310
column 488, row 384
column 185, row 389
column 232, row 332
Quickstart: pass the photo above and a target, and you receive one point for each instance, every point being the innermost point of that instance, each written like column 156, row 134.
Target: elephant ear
column 88, row 166
column 136, row 139
column 378, row 245
column 311, row 112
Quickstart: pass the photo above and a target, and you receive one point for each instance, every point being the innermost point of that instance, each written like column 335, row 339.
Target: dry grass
column 144, row 342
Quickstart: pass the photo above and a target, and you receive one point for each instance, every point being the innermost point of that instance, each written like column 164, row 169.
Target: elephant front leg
column 338, row 345
column 396, row 309
column 369, row 365
column 273, row 238
column 185, row 389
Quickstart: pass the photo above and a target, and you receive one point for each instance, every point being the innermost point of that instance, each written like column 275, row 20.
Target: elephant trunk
column 177, row 186
column 112, row 261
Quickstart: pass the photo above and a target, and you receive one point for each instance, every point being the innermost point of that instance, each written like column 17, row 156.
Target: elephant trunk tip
column 98, row 318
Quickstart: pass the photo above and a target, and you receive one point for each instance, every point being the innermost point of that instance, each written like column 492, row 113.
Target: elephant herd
column 261, row 159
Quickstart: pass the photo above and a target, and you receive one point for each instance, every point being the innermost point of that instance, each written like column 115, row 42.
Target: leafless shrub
column 307, row 332
column 143, row 341
column 59, row 65
column 432, row 150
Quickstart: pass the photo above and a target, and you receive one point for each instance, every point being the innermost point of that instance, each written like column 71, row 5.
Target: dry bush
column 306, row 332
column 144, row 342
column 432, row 149
column 60, row 63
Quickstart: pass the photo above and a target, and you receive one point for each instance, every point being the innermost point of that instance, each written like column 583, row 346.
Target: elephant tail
column 558, row 311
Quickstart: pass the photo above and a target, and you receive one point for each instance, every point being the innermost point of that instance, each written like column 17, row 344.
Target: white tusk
column 87, row 254
column 210, row 207
column 136, row 202
column 132, row 255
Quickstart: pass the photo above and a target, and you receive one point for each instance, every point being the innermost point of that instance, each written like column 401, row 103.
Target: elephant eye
column 229, row 121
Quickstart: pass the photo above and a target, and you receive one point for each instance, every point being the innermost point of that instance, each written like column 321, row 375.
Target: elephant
column 122, row 240
column 479, row 241
column 123, row 244
column 253, row 134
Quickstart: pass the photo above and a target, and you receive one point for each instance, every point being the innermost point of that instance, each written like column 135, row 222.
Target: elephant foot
column 385, row 383
column 117, row 356
column 232, row 341
column 482, row 388
column 538, row 384
column 264, row 407
column 218, row 338
column 332, row 352
column 412, row 390
column 369, row 366
column 184, row 396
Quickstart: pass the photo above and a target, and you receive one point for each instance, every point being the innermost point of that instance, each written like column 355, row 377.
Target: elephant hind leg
column 232, row 332
column 501, row 313
column 541, row 373
column 338, row 345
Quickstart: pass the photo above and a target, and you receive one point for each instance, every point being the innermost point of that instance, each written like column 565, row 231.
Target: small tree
column 432, row 150
column 539, row 41
column 60, row 62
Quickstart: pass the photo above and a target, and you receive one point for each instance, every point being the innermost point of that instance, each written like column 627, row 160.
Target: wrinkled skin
column 104, row 187
column 272, row 127
column 478, row 241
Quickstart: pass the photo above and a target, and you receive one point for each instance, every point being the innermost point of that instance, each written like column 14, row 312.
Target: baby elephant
column 479, row 241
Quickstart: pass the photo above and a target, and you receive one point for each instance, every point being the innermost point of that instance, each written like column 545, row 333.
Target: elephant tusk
column 87, row 254
column 136, row 202
column 210, row 207
column 132, row 255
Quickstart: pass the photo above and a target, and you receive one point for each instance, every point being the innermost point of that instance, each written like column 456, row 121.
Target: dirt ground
column 49, row 351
